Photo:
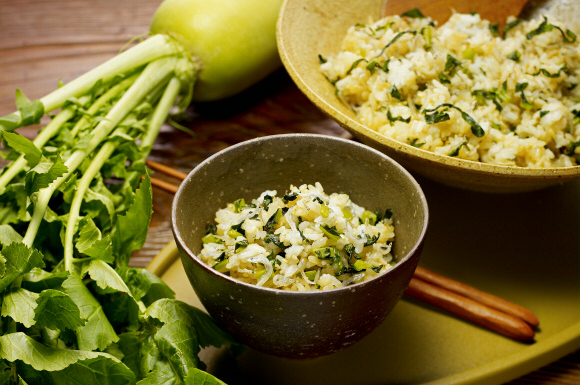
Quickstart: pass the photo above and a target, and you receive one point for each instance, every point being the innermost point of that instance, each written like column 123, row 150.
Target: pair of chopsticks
column 464, row 301
column 479, row 307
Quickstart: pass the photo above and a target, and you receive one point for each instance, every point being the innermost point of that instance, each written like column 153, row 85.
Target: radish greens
column 76, row 202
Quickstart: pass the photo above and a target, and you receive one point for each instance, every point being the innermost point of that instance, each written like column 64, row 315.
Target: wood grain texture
column 42, row 42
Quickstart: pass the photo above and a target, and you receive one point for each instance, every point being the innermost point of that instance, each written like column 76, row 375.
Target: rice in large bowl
column 465, row 89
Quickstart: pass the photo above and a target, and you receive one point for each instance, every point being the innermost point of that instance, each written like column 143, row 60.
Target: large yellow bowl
column 307, row 28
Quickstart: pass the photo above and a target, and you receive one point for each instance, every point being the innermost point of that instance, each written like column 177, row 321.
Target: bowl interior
column 309, row 28
column 282, row 322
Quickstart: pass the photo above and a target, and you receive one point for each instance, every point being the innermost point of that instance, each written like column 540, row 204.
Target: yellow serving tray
column 523, row 247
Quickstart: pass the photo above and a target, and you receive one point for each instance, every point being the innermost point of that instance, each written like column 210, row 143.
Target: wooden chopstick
column 478, row 295
column 471, row 310
column 467, row 302
column 166, row 169
column 167, row 186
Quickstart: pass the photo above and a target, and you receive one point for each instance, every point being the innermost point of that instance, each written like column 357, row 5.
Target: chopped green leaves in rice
column 304, row 240
column 464, row 89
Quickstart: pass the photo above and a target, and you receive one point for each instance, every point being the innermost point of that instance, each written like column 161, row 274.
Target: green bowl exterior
column 309, row 28
column 293, row 324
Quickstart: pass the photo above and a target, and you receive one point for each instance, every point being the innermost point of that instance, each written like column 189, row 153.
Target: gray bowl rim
column 251, row 142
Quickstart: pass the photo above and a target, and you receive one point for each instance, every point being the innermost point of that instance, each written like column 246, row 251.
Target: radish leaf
column 25, row 146
column 57, row 311
column 19, row 304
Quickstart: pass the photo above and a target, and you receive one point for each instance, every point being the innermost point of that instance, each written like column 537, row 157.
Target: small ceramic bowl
column 308, row 28
column 299, row 324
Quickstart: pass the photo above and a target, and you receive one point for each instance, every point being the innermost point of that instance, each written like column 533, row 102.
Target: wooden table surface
column 44, row 41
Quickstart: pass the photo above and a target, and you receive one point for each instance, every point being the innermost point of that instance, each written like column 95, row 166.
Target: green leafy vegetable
column 180, row 331
column 502, row 93
column 310, row 274
column 512, row 24
column 333, row 254
column 355, row 260
column 238, row 205
column 241, row 245
column 576, row 114
column 413, row 13
column 371, row 240
column 57, row 311
column 568, row 36
column 395, row 93
column 30, row 111
column 396, row 118
column 436, row 116
column 451, row 67
column 360, row 265
column 570, row 149
column 19, row 346
column 210, row 238
column 237, row 230
column 373, row 65
column 393, row 40
column 468, row 54
column 355, row 64
column 290, row 197
column 273, row 220
column 547, row 73
column 455, row 151
column 440, row 116
column 275, row 239
column 482, row 95
column 18, row 259
column 451, row 64
column 524, row 103
column 388, row 214
column 76, row 202
column 415, row 143
column 20, row 304
column 444, row 78
column 427, row 33
column 515, row 56
column 331, row 232
column 267, row 201
column 20, row 144
column 369, row 216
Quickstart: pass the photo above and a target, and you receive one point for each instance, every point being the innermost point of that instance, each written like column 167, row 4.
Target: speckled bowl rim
column 215, row 158
column 349, row 123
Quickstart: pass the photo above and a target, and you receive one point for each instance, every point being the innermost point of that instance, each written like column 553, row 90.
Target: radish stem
column 104, row 153
column 161, row 113
column 145, row 52
column 153, row 75
column 158, row 118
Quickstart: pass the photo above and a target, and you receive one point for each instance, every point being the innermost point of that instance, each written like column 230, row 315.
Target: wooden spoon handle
column 441, row 10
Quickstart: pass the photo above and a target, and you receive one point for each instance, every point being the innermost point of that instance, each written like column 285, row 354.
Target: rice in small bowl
column 301, row 240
